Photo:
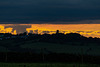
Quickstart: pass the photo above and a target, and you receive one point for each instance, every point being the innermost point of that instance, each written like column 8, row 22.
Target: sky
column 50, row 11
column 18, row 16
column 87, row 30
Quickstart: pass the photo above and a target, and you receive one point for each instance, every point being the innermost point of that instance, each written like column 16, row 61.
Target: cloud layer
column 47, row 11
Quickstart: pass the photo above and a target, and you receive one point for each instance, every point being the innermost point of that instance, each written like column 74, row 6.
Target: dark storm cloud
column 48, row 11
column 19, row 28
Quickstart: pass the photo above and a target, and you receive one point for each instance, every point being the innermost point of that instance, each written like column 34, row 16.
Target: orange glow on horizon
column 87, row 30
column 7, row 30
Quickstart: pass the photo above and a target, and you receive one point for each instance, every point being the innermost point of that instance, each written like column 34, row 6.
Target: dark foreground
column 47, row 65
column 28, row 57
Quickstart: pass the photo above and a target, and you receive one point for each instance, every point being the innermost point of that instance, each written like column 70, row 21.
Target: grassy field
column 47, row 65
column 64, row 48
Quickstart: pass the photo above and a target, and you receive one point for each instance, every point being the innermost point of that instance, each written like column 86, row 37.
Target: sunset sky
column 49, row 11
column 46, row 16
column 88, row 30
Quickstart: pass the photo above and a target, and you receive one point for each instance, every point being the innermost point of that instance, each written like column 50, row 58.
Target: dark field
column 47, row 65
column 56, row 50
